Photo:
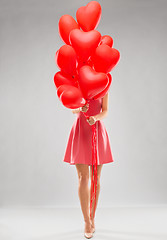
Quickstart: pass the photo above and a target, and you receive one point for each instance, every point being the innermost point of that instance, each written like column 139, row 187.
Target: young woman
column 79, row 152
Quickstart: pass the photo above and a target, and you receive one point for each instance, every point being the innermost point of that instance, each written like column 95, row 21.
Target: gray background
column 35, row 125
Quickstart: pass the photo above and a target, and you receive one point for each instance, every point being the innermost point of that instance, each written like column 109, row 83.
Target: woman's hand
column 81, row 109
column 84, row 108
column 91, row 120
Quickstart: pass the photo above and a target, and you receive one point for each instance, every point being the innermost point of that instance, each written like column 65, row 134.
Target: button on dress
column 79, row 143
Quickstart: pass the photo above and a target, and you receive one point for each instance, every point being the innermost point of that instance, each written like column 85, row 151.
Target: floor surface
column 115, row 223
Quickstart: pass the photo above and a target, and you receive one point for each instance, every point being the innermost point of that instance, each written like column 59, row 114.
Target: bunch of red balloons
column 86, row 58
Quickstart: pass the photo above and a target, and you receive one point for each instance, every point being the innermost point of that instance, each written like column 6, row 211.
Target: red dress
column 79, row 145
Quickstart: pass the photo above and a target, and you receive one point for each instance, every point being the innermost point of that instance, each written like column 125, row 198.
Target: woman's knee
column 83, row 173
column 98, row 179
column 99, row 168
column 83, row 178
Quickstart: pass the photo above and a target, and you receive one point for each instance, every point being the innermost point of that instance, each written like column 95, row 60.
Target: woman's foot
column 88, row 229
column 93, row 225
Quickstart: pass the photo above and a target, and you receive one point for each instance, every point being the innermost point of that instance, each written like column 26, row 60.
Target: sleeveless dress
column 79, row 144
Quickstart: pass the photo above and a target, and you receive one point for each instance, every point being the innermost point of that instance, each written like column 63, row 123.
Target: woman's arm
column 104, row 111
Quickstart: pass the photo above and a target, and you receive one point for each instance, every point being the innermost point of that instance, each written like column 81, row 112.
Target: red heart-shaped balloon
column 61, row 78
column 81, row 63
column 84, row 43
column 60, row 89
column 106, row 39
column 89, row 16
column 105, row 91
column 105, row 58
column 66, row 24
column 70, row 96
column 91, row 82
column 66, row 59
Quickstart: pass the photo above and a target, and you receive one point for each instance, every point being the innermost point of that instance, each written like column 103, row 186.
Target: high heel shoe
column 88, row 235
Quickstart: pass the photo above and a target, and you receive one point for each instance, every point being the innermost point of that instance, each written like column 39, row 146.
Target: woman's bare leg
column 99, row 168
column 83, row 192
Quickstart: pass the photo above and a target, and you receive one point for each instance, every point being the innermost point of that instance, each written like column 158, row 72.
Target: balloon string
column 94, row 150
column 94, row 169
